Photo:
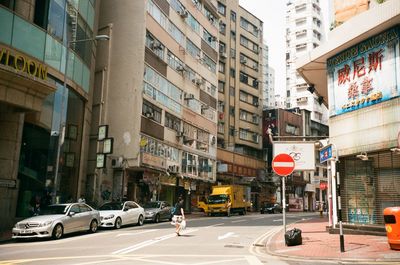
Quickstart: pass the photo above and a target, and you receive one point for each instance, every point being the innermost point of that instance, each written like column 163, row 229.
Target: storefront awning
column 312, row 66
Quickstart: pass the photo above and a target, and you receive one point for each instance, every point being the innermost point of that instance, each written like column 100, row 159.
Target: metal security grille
column 369, row 186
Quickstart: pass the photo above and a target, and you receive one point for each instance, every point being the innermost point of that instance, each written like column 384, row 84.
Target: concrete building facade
column 240, row 95
column 45, row 103
column 304, row 32
column 156, row 87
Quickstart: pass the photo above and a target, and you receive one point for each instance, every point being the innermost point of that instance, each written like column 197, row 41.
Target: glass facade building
column 42, row 107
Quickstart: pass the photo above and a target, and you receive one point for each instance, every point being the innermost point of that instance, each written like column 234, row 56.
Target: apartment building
column 156, row 84
column 304, row 32
column 240, row 93
column 46, row 80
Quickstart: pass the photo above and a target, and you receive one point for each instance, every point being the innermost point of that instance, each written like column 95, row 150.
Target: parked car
column 271, row 208
column 58, row 219
column 157, row 211
column 117, row 214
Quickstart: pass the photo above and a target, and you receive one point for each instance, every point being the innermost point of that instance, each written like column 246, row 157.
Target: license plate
column 26, row 231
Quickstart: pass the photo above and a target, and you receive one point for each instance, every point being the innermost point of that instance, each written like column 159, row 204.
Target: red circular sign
column 283, row 164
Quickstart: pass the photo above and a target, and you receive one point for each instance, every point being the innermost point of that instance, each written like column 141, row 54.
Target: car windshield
column 215, row 199
column 54, row 209
column 269, row 205
column 151, row 205
column 111, row 206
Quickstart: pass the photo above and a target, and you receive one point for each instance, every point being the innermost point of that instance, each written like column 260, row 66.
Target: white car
column 117, row 214
column 58, row 219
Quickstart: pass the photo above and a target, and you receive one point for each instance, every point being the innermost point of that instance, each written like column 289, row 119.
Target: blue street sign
column 325, row 154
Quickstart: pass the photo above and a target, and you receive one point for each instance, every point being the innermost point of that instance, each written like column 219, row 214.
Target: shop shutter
column 368, row 187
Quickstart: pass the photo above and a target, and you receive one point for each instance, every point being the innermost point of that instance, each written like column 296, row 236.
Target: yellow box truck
column 217, row 201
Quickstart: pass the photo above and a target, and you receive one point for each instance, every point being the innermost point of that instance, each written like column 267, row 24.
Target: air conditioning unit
column 179, row 134
column 155, row 45
column 198, row 81
column 149, row 115
column 183, row 13
column 210, row 18
column 180, row 68
column 243, row 60
column 213, row 140
column 223, row 54
column 212, row 38
column 189, row 96
column 116, row 162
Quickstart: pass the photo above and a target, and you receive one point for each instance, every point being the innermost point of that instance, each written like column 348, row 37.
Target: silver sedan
column 57, row 220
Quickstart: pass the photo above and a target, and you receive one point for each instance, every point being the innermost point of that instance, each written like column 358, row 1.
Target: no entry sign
column 283, row 164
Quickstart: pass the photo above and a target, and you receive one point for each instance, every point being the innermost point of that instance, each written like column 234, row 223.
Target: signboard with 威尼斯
column 365, row 74
column 303, row 153
column 325, row 154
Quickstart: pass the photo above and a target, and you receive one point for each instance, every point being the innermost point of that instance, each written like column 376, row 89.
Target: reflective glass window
column 53, row 53
column 56, row 18
column 78, row 68
column 6, row 19
column 23, row 33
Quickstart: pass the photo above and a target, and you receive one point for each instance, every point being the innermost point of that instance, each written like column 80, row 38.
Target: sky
column 273, row 14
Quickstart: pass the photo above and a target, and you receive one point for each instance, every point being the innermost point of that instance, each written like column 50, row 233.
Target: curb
column 321, row 259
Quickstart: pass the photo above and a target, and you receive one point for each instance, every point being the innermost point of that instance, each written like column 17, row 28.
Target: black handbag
column 293, row 237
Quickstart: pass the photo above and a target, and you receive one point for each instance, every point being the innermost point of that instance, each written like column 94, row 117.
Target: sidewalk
column 319, row 244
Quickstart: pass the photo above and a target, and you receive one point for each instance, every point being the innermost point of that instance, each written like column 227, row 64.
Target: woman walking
column 179, row 216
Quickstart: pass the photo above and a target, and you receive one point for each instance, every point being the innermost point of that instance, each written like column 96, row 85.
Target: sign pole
column 284, row 204
column 341, row 237
column 283, row 165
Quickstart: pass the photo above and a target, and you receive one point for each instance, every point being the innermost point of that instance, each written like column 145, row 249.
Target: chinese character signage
column 365, row 74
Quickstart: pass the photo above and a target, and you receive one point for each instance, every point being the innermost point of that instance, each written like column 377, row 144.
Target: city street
column 207, row 240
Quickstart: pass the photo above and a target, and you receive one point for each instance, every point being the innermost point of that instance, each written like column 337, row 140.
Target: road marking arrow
column 229, row 234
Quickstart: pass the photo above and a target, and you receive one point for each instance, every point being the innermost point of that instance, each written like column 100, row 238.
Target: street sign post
column 283, row 165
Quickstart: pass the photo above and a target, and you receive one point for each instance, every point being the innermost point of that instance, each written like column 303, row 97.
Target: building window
column 221, row 86
column 221, row 67
column 243, row 115
column 172, row 122
column 233, row 16
column 292, row 129
column 192, row 49
column 222, row 28
column 232, row 111
column 221, row 127
column 244, row 78
column 232, row 72
column 243, row 134
column 151, row 112
column 221, row 9
column 155, row 45
column 243, row 96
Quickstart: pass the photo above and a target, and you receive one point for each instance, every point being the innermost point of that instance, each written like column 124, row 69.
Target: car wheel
column 140, row 220
column 157, row 218
column 58, row 231
column 118, row 223
column 93, row 226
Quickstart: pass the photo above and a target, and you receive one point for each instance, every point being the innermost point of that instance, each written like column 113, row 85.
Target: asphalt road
column 235, row 240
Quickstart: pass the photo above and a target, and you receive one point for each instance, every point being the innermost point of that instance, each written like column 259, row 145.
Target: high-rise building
column 46, row 74
column 268, row 81
column 304, row 32
column 156, row 88
column 240, row 93
column 269, row 90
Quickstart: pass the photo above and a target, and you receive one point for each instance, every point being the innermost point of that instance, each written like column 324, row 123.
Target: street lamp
column 61, row 133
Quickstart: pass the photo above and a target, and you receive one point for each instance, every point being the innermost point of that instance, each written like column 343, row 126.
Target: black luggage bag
column 293, row 237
